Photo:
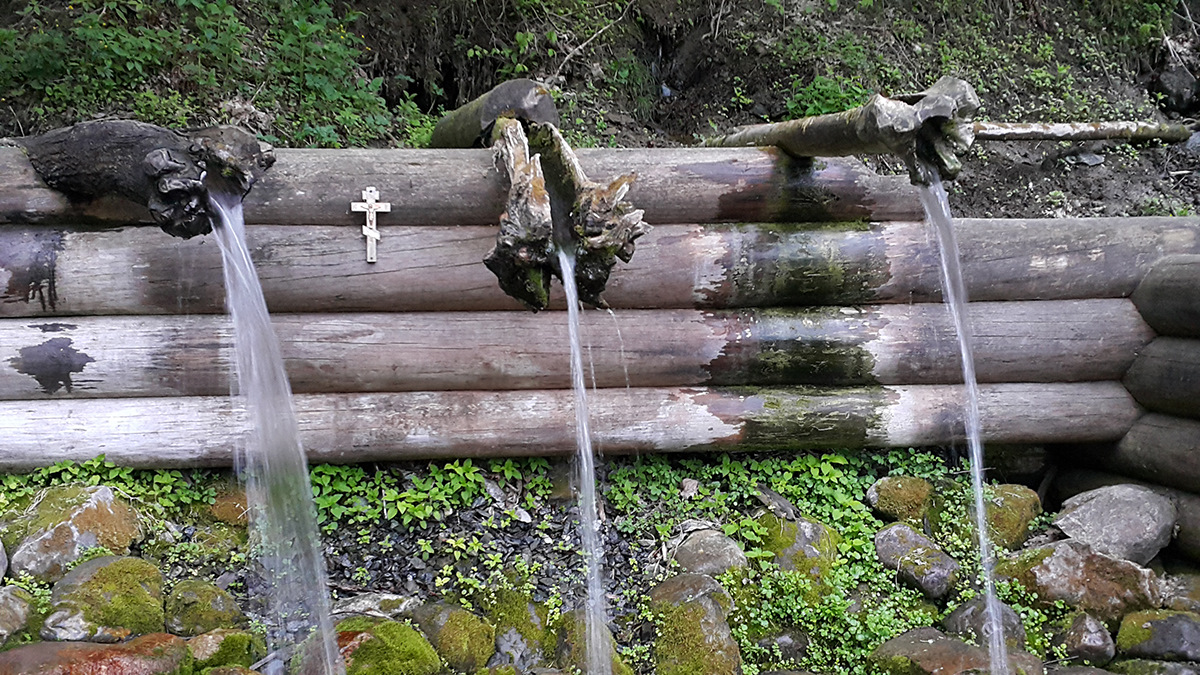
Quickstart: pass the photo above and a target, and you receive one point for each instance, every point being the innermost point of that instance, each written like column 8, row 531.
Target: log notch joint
column 167, row 171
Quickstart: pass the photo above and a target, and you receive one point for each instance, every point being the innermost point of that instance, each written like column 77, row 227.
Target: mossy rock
column 106, row 599
column 195, row 606
column 570, row 645
column 520, row 626
column 381, row 647
column 464, row 640
column 803, row 545
column 693, row 639
column 1010, row 510
column 905, row 498
column 230, row 506
column 1165, row 634
column 225, row 647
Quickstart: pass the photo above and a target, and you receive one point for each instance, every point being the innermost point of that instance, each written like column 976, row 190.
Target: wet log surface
column 51, row 271
column 88, row 357
column 1165, row 377
column 202, row 431
column 1169, row 296
column 464, row 187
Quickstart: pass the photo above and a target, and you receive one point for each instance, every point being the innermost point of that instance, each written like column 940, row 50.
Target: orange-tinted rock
column 230, row 506
column 154, row 654
column 68, row 520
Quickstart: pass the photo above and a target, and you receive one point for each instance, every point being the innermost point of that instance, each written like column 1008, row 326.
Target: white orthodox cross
column 371, row 206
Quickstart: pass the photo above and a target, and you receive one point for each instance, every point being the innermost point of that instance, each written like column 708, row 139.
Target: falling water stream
column 274, row 468
column 599, row 660
column 937, row 211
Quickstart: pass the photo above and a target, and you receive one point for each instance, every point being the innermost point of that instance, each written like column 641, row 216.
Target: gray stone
column 1165, row 635
column 464, row 641
column 693, row 634
column 790, row 645
column 1178, row 88
column 106, row 600
column 1129, row 522
column 1083, row 579
column 1145, row 667
column 195, row 607
column 1084, row 638
column 512, row 649
column 926, row 651
column 1181, row 592
column 570, row 646
column 709, row 552
column 14, row 611
column 379, row 605
column 1076, row 670
column 968, row 619
column 3, row 561
column 67, row 520
column 901, row 497
column 917, row 560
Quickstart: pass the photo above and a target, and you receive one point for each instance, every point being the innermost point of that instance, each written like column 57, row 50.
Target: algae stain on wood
column 51, row 363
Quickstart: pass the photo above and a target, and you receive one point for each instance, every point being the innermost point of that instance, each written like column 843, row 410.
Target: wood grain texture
column 463, row 187
column 204, row 431
column 146, row 356
column 1161, row 449
column 1165, row 377
column 1169, row 296
column 51, row 271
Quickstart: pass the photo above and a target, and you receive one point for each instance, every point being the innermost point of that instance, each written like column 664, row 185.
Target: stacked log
column 778, row 303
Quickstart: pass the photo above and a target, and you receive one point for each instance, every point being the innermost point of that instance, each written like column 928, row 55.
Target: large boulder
column 1166, row 635
column 800, row 544
column 969, row 620
column 1009, row 508
column 928, row 651
column 1129, row 522
column 692, row 634
column 14, row 611
column 68, row 520
column 370, row 645
column 570, row 646
column 709, row 552
column 901, row 497
column 225, row 647
column 1083, row 579
column 106, row 599
column 464, row 640
column 155, row 654
column 1084, row 638
column 195, row 606
column 917, row 560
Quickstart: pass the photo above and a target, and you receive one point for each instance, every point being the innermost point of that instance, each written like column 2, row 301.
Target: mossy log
column 1063, row 341
column 168, row 172
column 51, row 271
column 465, row 187
column 1165, row 377
column 1169, row 296
column 1160, row 449
column 470, row 126
column 1187, row 504
column 203, row 430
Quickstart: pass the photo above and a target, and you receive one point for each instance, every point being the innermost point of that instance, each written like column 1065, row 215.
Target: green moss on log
column 800, row 418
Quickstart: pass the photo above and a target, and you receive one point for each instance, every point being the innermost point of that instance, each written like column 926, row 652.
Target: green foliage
column 175, row 63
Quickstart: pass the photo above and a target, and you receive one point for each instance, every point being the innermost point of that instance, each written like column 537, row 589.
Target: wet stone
column 1129, row 522
column 14, row 611
column 196, row 607
column 1010, row 510
column 790, row 645
column 926, row 651
column 380, row 605
column 68, row 520
column 463, row 640
column 1147, row 667
column 1181, row 592
column 692, row 634
column 901, row 497
column 155, row 654
column 106, row 600
column 225, row 647
column 709, row 552
column 968, row 620
column 917, row 560
column 1084, row 638
column 1164, row 635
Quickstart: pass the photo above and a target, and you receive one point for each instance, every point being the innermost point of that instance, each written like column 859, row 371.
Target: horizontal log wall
column 87, row 357
column 203, row 431
column 54, row 271
column 1165, row 377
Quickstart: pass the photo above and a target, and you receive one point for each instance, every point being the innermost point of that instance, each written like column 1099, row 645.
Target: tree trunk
column 1089, row 131
column 87, row 357
column 464, row 187
column 191, row 431
column 1169, row 296
column 49, row 271
column 1165, row 377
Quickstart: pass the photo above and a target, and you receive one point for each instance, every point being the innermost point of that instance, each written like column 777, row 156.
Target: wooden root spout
column 167, row 171
column 557, row 208
column 927, row 129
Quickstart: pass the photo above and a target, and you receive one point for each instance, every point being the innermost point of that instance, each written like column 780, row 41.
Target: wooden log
column 50, row 271
column 1159, row 449
column 1187, row 504
column 1169, row 296
column 1165, row 377
column 464, row 187
column 1082, row 131
column 202, row 431
column 127, row 356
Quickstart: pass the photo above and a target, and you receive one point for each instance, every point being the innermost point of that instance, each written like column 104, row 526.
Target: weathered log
column 202, row 431
column 87, row 357
column 1160, row 449
column 470, row 126
column 1187, row 504
column 49, row 271
column 464, row 187
column 928, row 130
column 167, row 171
column 1165, row 377
column 1082, row 131
column 1169, row 296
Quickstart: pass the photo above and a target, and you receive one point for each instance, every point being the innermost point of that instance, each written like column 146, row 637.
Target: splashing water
column 937, row 211
column 599, row 660
column 274, row 467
